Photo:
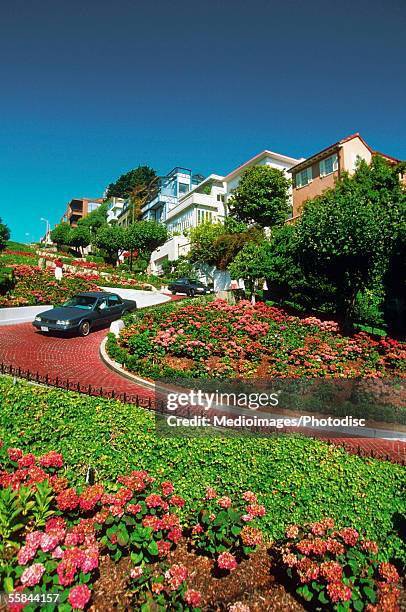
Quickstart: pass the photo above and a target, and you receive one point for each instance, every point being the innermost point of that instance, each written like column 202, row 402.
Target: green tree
column 111, row 239
column 144, row 237
column 214, row 244
column 349, row 231
column 4, row 235
column 96, row 218
column 128, row 182
column 261, row 197
column 203, row 248
column 60, row 235
column 251, row 264
column 79, row 238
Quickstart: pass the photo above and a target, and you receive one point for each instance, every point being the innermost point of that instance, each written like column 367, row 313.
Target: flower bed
column 283, row 472
column 36, row 286
column 52, row 534
column 216, row 339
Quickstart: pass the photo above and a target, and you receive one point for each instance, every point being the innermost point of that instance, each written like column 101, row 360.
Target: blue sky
column 92, row 89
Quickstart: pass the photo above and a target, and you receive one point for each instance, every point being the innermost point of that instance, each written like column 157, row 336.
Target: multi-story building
column 114, row 208
column 204, row 202
column 169, row 189
column 265, row 158
column 79, row 208
column 320, row 171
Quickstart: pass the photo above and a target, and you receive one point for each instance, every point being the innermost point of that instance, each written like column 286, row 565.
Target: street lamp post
column 47, row 230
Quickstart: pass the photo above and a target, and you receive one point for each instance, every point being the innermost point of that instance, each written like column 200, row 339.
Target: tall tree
column 130, row 181
column 4, row 235
column 60, row 235
column 349, row 230
column 261, row 197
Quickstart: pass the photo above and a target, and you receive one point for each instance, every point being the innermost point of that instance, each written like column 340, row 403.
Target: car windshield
column 81, row 301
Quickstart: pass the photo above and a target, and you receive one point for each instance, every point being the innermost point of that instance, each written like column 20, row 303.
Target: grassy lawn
column 297, row 479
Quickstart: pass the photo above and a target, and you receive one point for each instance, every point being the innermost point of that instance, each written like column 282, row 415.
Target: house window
column 220, row 197
column 183, row 187
column 204, row 215
column 304, row 177
column 328, row 165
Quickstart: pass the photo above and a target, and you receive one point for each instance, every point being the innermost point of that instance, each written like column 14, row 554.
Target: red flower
column 176, row 500
column 193, row 598
column 67, row 500
column 51, row 459
column 15, row 453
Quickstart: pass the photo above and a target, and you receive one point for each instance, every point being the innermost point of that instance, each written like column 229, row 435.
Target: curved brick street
column 78, row 359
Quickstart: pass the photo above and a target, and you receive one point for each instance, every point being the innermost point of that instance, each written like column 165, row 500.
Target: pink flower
column 193, row 598
column 292, row 531
column 176, row 500
column 256, row 510
column 176, row 575
column 26, row 554
column 249, row 497
column 349, row 535
column 133, row 508
column 210, row 493
column 136, row 572
column 337, row 591
column 389, row 572
column 226, row 561
column 79, row 596
column 32, row 575
column 90, row 497
column 91, row 559
column 175, row 534
column 370, row 546
column 331, row 571
column 163, row 548
column 48, row 542
column 224, row 502
column 153, row 501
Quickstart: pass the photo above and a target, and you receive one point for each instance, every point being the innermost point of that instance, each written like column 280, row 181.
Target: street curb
column 119, row 369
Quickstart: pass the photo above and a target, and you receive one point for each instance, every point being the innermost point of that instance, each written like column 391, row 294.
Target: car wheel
column 84, row 328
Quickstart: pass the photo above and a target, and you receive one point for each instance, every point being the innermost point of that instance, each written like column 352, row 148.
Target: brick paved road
column 78, row 359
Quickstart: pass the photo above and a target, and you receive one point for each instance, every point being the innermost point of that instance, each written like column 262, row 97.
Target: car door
column 115, row 307
column 103, row 313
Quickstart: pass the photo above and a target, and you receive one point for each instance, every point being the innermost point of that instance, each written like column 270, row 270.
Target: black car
column 83, row 312
column 188, row 286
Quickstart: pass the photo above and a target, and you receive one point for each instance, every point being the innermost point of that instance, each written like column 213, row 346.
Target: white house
column 115, row 208
column 265, row 158
column 203, row 202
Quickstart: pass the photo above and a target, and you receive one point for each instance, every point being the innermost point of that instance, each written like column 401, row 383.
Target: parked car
column 188, row 286
column 84, row 312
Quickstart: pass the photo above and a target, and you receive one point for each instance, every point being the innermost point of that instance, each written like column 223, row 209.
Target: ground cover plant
column 283, row 472
column 216, row 339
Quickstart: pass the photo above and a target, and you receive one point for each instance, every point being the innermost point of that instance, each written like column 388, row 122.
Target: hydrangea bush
column 338, row 569
column 216, row 339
